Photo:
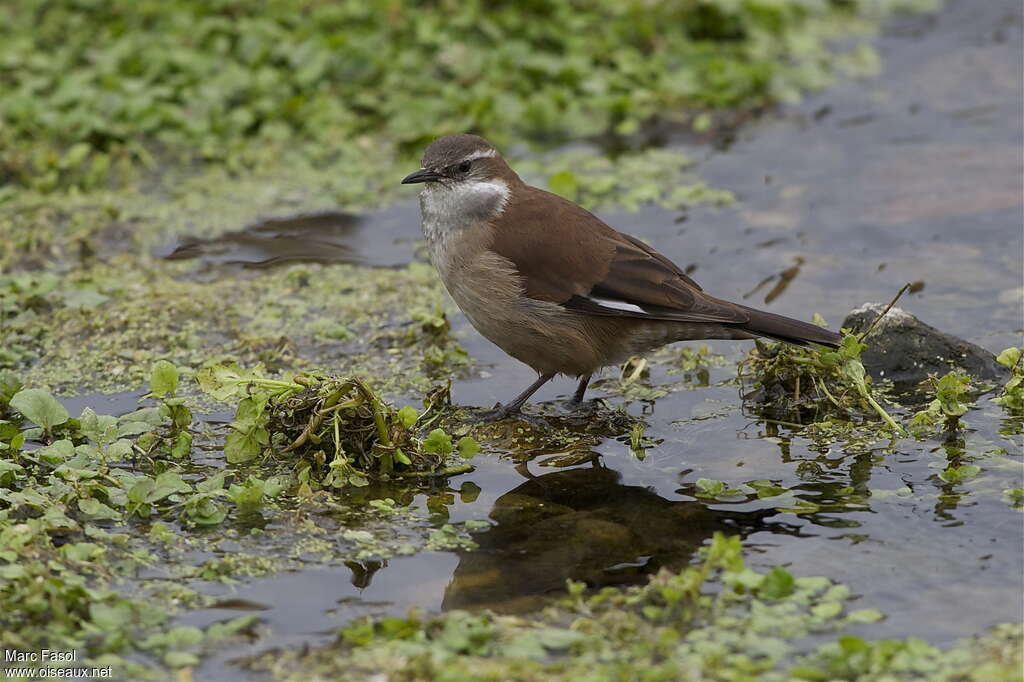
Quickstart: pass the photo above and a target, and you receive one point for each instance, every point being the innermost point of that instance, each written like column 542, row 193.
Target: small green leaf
column 960, row 473
column 9, row 472
column 95, row 509
column 167, row 484
column 75, row 155
column 163, row 380
column 99, row 428
column 110, row 618
column 212, row 484
column 226, row 381
column 827, row 610
column 182, row 446
column 82, row 551
column 438, row 442
column 864, row 616
column 708, row 487
column 243, row 446
column 39, row 407
column 408, row 416
column 180, row 659
column 1009, row 357
column 468, row 447
column 778, row 583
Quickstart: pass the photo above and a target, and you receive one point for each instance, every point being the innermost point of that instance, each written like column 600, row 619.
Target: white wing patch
column 617, row 305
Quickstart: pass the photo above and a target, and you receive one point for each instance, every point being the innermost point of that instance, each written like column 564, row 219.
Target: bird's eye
column 464, row 166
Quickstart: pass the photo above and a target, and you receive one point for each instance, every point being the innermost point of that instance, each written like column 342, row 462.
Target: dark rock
column 906, row 350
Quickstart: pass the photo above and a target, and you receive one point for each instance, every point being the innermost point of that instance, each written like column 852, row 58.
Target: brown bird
column 555, row 287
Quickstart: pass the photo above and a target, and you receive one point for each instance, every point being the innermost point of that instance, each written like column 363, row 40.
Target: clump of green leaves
column 48, row 602
column 338, row 427
column 639, row 441
column 813, row 382
column 102, row 467
column 708, row 488
column 93, row 89
column 1012, row 395
column 699, row 360
column 953, row 397
column 169, row 433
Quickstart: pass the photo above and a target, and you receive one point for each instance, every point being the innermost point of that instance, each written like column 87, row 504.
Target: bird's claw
column 498, row 413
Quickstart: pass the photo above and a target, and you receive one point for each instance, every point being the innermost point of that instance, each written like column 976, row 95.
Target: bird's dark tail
column 789, row 330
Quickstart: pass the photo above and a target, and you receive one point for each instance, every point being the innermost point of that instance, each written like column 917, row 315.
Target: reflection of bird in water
column 585, row 525
column 325, row 237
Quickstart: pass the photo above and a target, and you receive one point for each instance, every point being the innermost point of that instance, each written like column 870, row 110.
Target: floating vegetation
column 95, row 91
column 337, row 427
column 953, row 397
column 717, row 620
column 1012, row 395
column 810, row 384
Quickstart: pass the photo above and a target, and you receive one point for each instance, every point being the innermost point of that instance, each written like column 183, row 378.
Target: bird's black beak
column 422, row 175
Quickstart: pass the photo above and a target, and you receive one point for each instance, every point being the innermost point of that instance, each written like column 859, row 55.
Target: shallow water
column 911, row 177
column 380, row 239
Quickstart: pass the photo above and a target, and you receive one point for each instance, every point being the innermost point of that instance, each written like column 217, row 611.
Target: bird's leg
column 577, row 397
column 502, row 411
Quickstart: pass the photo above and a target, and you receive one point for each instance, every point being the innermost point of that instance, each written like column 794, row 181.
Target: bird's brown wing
column 568, row 256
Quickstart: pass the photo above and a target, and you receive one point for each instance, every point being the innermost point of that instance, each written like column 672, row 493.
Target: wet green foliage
column 953, row 397
column 809, row 384
column 62, row 479
column 102, row 467
column 337, row 427
column 716, row 620
column 76, row 492
column 1012, row 395
column 94, row 89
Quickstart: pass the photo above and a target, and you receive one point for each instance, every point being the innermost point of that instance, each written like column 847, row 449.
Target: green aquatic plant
column 169, row 423
column 103, row 467
column 94, row 91
column 953, row 397
column 814, row 382
column 1012, row 395
column 338, row 428
column 639, row 441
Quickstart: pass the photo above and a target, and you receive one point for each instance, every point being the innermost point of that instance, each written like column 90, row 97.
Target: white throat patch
column 447, row 210
column 452, row 207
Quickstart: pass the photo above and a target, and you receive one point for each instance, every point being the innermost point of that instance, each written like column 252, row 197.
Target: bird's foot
column 583, row 407
column 513, row 415
column 498, row 413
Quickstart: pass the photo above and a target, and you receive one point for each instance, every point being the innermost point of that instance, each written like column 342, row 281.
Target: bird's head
column 464, row 177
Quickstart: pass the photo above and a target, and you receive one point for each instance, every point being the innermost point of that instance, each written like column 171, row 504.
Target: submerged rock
column 906, row 350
